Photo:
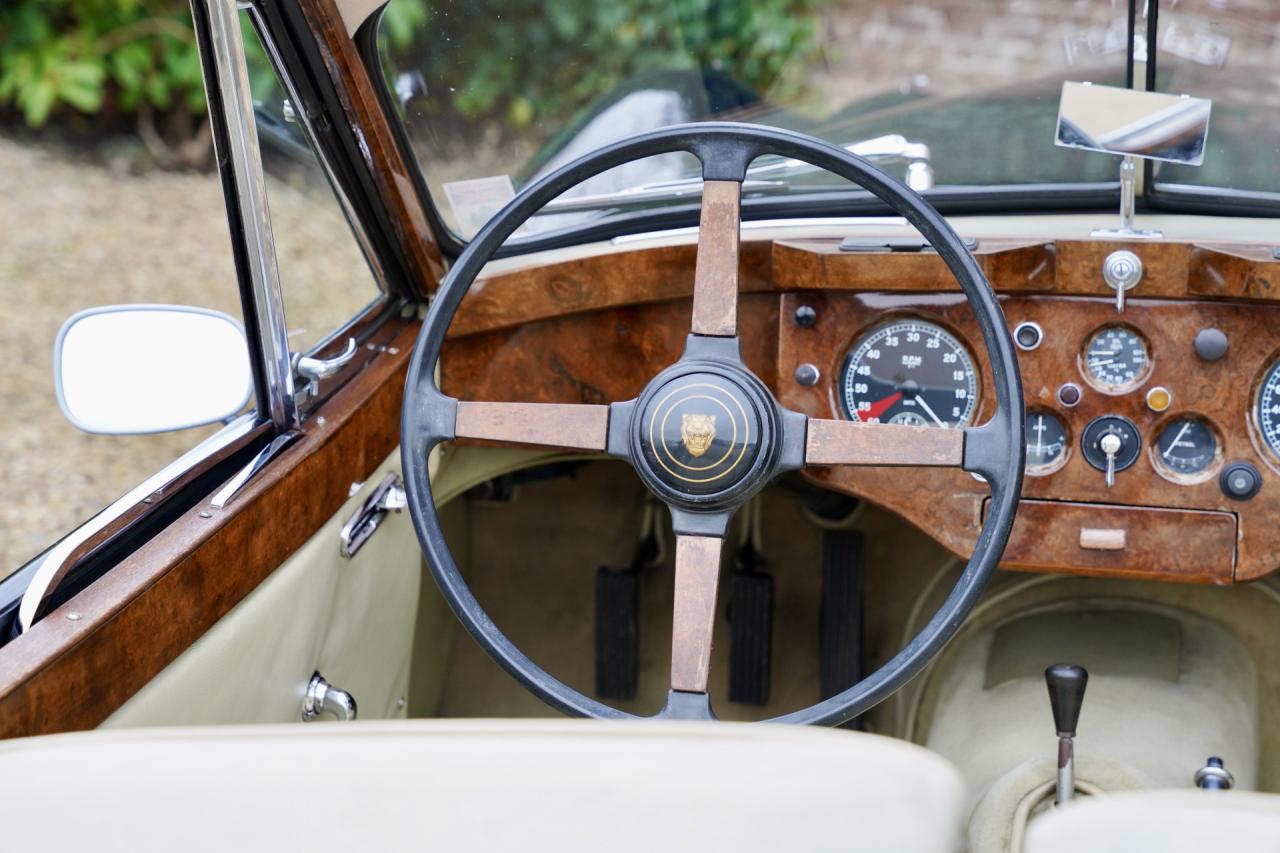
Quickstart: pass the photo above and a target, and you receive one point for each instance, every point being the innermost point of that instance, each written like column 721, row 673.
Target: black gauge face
column 1127, row 447
column 1116, row 358
column 909, row 372
column 1186, row 446
column 1269, row 409
column 1046, row 441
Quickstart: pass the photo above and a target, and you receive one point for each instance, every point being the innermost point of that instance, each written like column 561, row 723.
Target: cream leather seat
column 1187, row 821
column 477, row 785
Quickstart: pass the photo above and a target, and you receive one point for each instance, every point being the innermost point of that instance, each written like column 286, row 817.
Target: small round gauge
column 1046, row 442
column 1186, row 447
column 1269, row 408
column 1116, row 359
column 909, row 372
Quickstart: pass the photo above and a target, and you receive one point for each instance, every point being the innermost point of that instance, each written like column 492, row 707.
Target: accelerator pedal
column 750, row 628
column 841, row 615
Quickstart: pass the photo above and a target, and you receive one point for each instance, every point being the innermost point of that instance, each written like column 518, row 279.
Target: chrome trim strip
column 53, row 567
column 251, row 194
column 304, row 119
column 265, row 455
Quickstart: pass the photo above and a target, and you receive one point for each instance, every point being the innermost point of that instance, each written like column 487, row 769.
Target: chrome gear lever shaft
column 1066, row 683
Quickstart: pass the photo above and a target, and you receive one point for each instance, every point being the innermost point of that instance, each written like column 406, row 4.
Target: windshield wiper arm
column 881, row 149
column 890, row 147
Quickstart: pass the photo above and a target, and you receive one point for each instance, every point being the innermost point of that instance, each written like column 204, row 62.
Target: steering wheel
column 706, row 434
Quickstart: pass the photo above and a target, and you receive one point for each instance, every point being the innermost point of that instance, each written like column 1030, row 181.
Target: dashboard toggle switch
column 1110, row 444
column 1122, row 270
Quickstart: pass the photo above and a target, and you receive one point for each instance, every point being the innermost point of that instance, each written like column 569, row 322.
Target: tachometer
column 1269, row 408
column 909, row 372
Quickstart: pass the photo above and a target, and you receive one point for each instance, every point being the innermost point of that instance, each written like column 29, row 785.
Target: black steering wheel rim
column 725, row 150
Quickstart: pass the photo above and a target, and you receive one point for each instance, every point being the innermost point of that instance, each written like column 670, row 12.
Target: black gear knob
column 1066, row 684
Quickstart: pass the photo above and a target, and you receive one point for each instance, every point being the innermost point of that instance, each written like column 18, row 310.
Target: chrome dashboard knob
column 1122, row 270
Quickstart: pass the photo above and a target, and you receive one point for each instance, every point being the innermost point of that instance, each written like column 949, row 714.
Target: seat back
column 477, row 785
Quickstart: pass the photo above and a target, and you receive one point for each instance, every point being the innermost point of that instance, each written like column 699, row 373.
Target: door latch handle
column 387, row 496
column 323, row 698
column 314, row 369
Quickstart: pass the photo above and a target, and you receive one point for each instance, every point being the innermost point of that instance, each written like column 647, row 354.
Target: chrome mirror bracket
column 1128, row 197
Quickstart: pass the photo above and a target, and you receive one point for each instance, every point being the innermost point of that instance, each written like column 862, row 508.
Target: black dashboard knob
column 1240, row 481
column 1211, row 344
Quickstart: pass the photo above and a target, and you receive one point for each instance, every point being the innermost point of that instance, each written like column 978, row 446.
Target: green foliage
column 91, row 55
column 517, row 60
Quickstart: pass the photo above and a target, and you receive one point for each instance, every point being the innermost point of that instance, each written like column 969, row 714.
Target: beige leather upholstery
column 477, row 785
column 1186, row 821
column 352, row 620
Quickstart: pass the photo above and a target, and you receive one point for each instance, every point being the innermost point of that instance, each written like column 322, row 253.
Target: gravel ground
column 77, row 233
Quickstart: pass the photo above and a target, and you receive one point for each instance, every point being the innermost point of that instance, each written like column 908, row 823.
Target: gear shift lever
column 1066, row 684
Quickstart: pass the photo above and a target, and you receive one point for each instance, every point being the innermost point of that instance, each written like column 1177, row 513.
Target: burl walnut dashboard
column 1153, row 439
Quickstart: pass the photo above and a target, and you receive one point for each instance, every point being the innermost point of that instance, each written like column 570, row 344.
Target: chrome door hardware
column 315, row 369
column 265, row 455
column 388, row 496
column 323, row 698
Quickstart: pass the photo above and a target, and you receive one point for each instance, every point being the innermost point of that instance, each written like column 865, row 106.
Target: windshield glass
column 950, row 95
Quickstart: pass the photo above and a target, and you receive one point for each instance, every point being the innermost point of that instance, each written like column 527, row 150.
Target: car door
column 245, row 538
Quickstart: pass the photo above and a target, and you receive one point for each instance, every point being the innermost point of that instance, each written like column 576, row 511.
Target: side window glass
column 86, row 222
column 324, row 273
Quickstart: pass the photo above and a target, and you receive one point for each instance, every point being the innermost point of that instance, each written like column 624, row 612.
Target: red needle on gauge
column 879, row 407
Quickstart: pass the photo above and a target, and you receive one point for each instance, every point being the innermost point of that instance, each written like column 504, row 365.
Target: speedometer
column 1269, row 408
column 909, row 372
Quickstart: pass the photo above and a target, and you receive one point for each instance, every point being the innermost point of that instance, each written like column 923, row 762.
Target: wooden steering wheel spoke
column 693, row 617
column 562, row 425
column 715, row 276
column 834, row 442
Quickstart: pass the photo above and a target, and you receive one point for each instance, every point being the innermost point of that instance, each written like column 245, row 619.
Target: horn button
column 704, row 436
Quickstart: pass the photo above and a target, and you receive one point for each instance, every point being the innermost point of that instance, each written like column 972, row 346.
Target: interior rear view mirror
column 135, row 369
column 1135, row 125
column 1151, row 125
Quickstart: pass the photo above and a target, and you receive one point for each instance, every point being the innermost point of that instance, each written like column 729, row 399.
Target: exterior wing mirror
column 136, row 369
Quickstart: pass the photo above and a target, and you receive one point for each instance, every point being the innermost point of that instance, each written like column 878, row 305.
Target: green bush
column 505, row 60
column 513, row 60
column 96, row 55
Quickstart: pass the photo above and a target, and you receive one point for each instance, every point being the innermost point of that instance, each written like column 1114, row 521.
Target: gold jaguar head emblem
column 698, row 431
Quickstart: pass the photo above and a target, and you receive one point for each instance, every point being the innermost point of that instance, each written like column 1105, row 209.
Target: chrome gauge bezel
column 1082, row 361
column 862, row 337
column 1257, row 434
column 1170, row 473
column 1068, row 443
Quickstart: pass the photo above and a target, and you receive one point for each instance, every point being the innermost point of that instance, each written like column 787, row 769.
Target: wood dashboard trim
column 594, row 282
column 65, row 675
column 382, row 157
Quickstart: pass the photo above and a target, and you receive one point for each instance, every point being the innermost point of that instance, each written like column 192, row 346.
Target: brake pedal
column 841, row 615
column 750, row 629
